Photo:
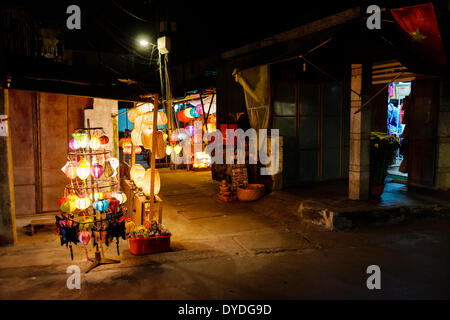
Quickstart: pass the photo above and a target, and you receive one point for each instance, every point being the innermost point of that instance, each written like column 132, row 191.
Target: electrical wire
column 128, row 12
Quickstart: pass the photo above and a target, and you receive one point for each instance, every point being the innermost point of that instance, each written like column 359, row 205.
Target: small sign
column 3, row 125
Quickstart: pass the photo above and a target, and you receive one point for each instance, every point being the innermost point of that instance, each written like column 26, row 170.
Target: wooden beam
column 299, row 32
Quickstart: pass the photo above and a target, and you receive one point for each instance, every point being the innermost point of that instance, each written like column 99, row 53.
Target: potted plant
column 382, row 153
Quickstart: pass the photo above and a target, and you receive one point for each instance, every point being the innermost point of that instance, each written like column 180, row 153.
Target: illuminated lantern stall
column 201, row 161
column 92, row 203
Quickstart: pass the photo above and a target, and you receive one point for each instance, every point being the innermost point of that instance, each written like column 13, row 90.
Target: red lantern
column 113, row 204
column 173, row 138
column 61, row 200
column 182, row 117
column 104, row 140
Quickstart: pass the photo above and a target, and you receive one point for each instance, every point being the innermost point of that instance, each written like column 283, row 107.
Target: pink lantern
column 73, row 144
column 71, row 170
column 97, row 170
column 84, row 238
column 199, row 109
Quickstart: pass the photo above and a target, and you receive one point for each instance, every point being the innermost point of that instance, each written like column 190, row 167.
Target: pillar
column 443, row 154
column 8, row 233
column 358, row 188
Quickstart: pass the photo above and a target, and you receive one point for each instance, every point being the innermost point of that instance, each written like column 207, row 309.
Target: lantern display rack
column 93, row 197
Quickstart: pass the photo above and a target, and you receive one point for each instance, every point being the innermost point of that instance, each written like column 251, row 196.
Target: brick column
column 358, row 188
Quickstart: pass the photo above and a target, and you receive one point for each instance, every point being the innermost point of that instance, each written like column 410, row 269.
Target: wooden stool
column 42, row 222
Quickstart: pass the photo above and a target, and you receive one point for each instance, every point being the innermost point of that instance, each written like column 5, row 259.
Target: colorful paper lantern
column 160, row 121
column 73, row 144
column 83, row 203
column 113, row 204
column 146, row 138
column 160, row 143
column 199, row 109
column 61, row 200
column 71, row 170
column 190, row 130
column 101, row 205
column 132, row 114
column 136, row 170
column 121, row 196
column 147, row 182
column 173, row 137
column 194, row 113
column 139, row 181
column 84, row 169
column 109, row 170
column 136, row 137
column 94, row 143
column 97, row 170
column 177, row 149
column 181, row 116
column 168, row 150
column 146, row 107
column 114, row 162
column 187, row 113
column 182, row 136
column 104, row 140
column 67, row 206
column 82, row 139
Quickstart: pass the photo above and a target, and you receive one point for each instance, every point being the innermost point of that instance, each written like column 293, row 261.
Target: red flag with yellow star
column 419, row 25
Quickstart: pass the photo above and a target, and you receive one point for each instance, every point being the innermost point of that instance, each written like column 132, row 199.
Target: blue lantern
column 194, row 113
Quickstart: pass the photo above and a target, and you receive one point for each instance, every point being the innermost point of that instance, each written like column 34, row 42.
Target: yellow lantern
column 146, row 138
column 83, row 203
column 136, row 137
column 136, row 170
column 177, row 149
column 94, row 143
column 139, row 182
column 147, row 182
column 132, row 114
column 84, row 169
column 121, row 196
column 161, row 119
column 146, row 107
column 168, row 150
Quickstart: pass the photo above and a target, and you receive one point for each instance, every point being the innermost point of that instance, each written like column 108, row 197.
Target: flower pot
column 377, row 190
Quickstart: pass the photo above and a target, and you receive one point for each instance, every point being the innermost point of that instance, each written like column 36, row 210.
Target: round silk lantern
column 61, row 200
column 83, row 203
column 101, row 205
column 168, row 150
column 84, row 238
column 121, row 196
column 94, row 143
column 114, row 162
column 182, row 136
column 136, row 170
column 147, row 182
column 104, row 140
column 146, row 138
column 181, row 117
column 199, row 109
column 146, row 107
column 84, row 169
column 190, row 130
column 109, row 171
column 132, row 114
column 139, row 181
column 187, row 113
column 67, row 206
column 173, row 137
column 160, row 121
column 113, row 204
column 73, row 144
column 160, row 147
column 177, row 149
column 194, row 113
column 136, row 137
column 82, row 139
column 71, row 170
column 97, row 170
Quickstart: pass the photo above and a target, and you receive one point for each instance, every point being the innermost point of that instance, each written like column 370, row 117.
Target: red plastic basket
column 140, row 246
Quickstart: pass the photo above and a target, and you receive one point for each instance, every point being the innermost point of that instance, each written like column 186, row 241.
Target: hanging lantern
column 160, row 143
column 182, row 136
column 173, row 137
column 121, row 196
column 139, row 181
column 181, row 116
column 95, row 196
column 165, row 136
column 104, row 139
column 146, row 107
column 84, row 237
column 187, row 113
column 136, row 170
column 83, row 203
column 160, row 121
column 82, row 139
column 136, row 137
column 86, row 224
column 147, row 182
column 101, row 205
column 177, row 149
column 132, row 114
column 73, row 144
column 168, row 150
column 114, row 162
column 97, row 170
column 146, row 138
column 84, row 169
column 193, row 112
column 109, row 171
column 67, row 206
column 94, row 143
column 61, row 200
column 199, row 109
column 71, row 170
column 190, row 130
column 113, row 204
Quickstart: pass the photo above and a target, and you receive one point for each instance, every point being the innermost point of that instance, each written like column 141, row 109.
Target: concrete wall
column 443, row 151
